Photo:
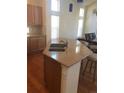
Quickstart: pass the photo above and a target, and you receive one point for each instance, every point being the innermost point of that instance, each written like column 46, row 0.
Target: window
column 80, row 27
column 54, row 27
column 55, row 5
column 80, row 22
column 54, row 16
column 55, row 10
column 81, row 13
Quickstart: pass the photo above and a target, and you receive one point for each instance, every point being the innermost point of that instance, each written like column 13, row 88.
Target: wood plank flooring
column 35, row 77
column 35, row 74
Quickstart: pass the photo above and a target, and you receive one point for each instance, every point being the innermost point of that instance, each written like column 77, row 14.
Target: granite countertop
column 74, row 53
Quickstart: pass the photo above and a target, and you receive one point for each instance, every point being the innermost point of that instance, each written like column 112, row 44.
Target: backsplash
column 35, row 30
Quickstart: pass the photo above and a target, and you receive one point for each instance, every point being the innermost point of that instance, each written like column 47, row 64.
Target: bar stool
column 91, row 64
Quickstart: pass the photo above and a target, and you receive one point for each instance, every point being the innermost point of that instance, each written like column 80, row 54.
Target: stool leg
column 82, row 64
column 95, row 71
column 85, row 67
column 91, row 66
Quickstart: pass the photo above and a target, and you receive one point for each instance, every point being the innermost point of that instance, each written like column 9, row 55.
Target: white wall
column 69, row 20
column 90, row 24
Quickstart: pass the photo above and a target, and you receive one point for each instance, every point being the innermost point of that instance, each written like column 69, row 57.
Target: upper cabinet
column 36, row 2
column 30, row 15
column 34, row 15
column 38, row 15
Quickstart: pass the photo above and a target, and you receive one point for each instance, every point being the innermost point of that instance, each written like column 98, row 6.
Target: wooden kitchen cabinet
column 35, row 44
column 38, row 15
column 34, row 15
column 30, row 15
column 36, row 2
column 41, row 43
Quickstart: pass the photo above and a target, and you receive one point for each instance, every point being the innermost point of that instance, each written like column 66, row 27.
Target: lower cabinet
column 41, row 43
column 35, row 44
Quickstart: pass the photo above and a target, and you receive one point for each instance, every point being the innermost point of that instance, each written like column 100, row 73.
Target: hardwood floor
column 87, row 84
column 35, row 77
column 35, row 74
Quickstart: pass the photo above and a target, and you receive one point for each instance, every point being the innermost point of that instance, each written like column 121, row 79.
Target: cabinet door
column 34, row 15
column 38, row 15
column 34, row 44
column 30, row 15
column 41, row 43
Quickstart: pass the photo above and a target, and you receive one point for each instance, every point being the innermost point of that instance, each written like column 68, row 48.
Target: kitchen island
column 62, row 69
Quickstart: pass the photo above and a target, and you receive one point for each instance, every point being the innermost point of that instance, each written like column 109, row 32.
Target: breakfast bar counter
column 62, row 68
